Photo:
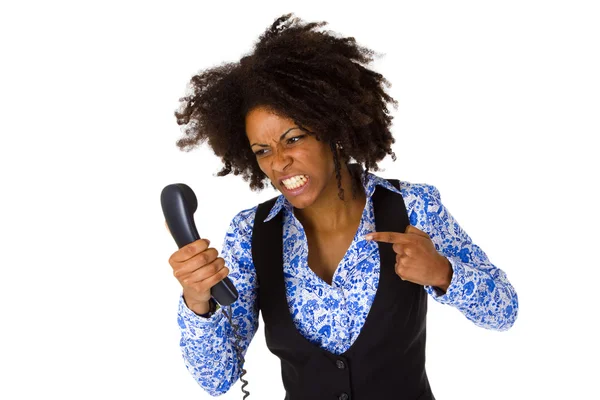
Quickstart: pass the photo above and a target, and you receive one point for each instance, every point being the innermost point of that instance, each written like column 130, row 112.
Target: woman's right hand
column 198, row 268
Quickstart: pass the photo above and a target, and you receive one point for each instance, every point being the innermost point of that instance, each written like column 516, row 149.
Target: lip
column 294, row 192
column 283, row 178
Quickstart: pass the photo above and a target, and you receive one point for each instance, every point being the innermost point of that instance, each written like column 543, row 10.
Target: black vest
column 387, row 359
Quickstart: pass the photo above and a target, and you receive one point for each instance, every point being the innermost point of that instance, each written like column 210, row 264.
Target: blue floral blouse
column 331, row 316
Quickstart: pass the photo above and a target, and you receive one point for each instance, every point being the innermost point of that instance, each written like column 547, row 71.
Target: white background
column 498, row 108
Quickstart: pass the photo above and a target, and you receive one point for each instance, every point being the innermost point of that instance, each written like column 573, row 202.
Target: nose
column 281, row 159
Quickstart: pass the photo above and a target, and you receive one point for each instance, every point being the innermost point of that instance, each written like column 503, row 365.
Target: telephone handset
column 179, row 203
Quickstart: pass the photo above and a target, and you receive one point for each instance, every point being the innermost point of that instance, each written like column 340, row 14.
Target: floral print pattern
column 331, row 316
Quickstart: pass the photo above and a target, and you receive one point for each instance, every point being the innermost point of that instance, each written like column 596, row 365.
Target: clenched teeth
column 295, row 181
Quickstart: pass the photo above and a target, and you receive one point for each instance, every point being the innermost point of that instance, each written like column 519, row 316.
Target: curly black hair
column 314, row 77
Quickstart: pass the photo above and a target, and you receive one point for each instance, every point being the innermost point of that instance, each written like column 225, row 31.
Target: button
column 343, row 396
column 340, row 364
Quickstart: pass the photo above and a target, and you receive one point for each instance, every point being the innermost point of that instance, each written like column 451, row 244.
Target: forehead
column 264, row 123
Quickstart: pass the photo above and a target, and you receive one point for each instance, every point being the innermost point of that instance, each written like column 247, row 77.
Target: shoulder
column 420, row 199
column 418, row 190
column 408, row 190
column 243, row 222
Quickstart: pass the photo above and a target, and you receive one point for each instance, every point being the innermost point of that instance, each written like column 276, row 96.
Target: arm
column 478, row 289
column 206, row 343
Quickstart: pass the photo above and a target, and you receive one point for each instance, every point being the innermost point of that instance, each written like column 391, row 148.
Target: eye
column 259, row 153
column 290, row 140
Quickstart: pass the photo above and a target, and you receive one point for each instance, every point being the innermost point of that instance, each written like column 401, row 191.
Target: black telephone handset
column 179, row 203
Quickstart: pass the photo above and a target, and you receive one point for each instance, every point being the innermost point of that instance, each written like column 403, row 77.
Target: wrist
column 446, row 274
column 207, row 310
column 199, row 307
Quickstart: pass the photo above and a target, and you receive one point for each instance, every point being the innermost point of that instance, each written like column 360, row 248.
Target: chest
column 326, row 251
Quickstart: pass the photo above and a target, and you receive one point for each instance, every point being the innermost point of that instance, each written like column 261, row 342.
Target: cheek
column 315, row 155
column 263, row 165
column 317, row 152
column 323, row 156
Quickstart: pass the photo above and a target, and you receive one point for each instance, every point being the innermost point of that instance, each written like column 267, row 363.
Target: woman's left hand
column 417, row 259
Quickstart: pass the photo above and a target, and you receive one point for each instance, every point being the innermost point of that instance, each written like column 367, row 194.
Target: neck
column 329, row 212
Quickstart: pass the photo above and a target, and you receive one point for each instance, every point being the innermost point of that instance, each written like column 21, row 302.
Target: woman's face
column 299, row 165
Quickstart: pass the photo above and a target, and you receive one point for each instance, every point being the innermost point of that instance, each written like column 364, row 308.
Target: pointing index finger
column 388, row 237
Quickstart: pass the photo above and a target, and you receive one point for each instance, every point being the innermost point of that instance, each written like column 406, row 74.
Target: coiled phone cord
column 238, row 350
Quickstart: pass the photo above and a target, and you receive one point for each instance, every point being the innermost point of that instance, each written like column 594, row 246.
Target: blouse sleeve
column 207, row 343
column 478, row 289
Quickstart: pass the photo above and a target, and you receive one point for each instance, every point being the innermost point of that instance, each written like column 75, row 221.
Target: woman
column 341, row 263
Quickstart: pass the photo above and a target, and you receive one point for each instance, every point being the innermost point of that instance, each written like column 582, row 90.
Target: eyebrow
column 280, row 138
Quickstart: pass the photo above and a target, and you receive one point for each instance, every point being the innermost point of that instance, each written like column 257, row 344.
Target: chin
column 302, row 199
column 300, row 203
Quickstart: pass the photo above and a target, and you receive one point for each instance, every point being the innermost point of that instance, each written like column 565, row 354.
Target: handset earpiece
column 179, row 203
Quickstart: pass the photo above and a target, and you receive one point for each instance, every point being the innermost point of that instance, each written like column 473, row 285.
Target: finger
column 400, row 271
column 401, row 259
column 189, row 251
column 211, row 281
column 415, row 231
column 404, row 250
column 388, row 237
column 401, row 248
column 205, row 272
column 195, row 263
